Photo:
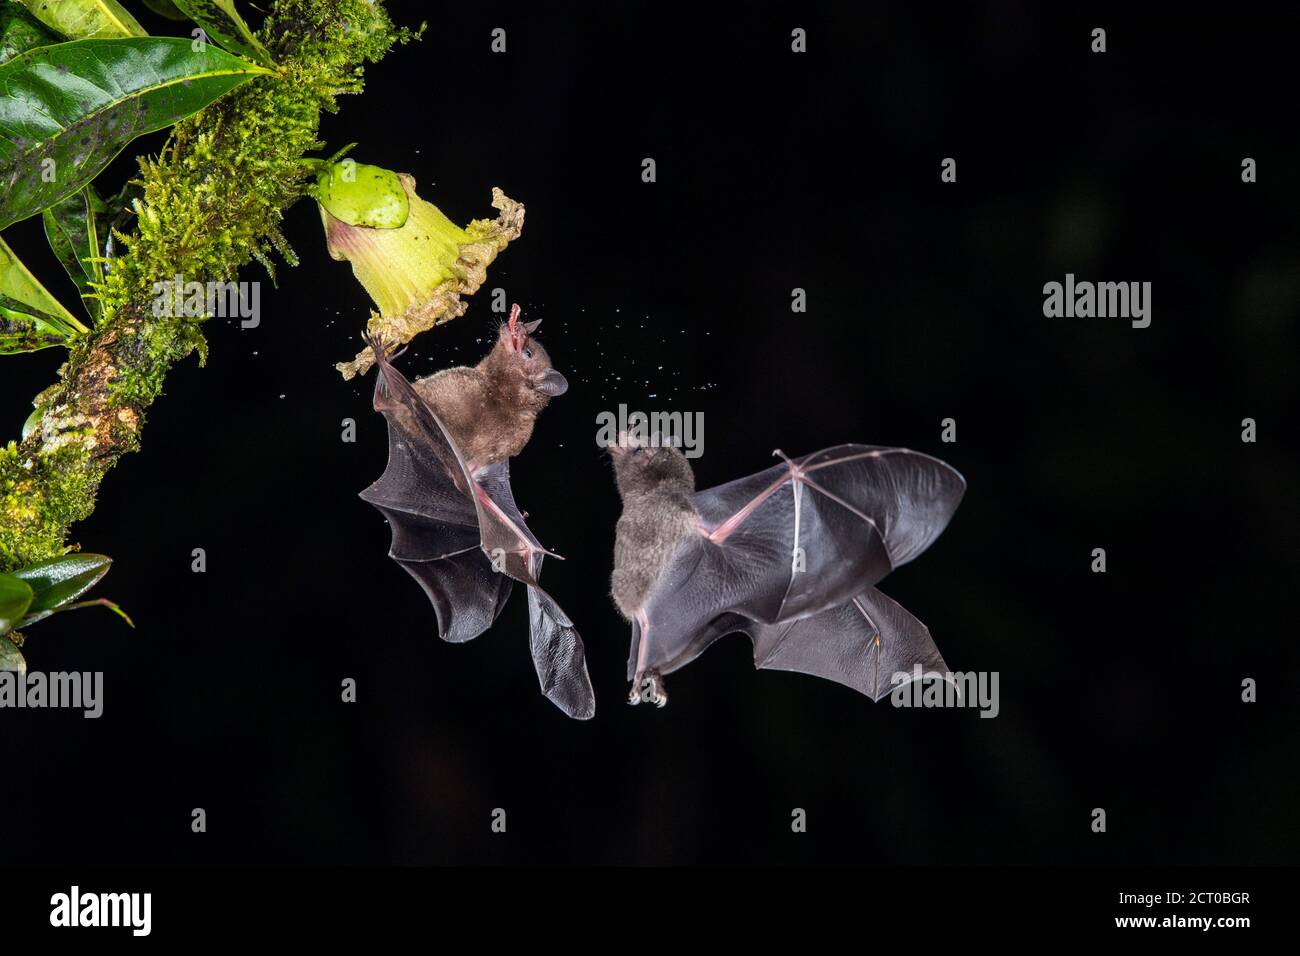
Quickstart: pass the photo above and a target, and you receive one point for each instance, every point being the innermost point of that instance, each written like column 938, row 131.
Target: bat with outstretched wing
column 463, row 538
column 789, row 556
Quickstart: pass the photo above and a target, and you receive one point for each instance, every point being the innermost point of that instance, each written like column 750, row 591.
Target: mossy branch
column 213, row 200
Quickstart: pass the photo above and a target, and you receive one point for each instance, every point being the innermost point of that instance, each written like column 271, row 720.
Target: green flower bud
column 363, row 195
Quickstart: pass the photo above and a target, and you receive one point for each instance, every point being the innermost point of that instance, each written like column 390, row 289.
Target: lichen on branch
column 212, row 202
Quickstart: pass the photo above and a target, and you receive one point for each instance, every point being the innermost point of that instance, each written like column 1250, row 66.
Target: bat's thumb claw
column 778, row 453
column 383, row 350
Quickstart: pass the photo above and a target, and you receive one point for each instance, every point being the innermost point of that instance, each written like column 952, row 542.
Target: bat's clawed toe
column 649, row 687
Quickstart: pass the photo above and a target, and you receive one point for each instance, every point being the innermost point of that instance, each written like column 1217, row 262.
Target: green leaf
column 21, row 331
column 221, row 21
column 18, row 284
column 15, row 597
column 59, row 581
column 80, row 19
column 30, row 318
column 20, row 31
column 72, row 226
column 97, row 602
column 11, row 659
column 69, row 109
column 165, row 8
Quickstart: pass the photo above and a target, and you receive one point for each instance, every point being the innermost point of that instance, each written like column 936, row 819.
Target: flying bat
column 447, row 497
column 789, row 556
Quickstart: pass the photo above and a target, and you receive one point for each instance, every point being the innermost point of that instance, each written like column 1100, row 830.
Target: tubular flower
column 413, row 261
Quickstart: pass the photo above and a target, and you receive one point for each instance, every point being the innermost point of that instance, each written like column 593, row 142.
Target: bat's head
column 642, row 467
column 519, row 356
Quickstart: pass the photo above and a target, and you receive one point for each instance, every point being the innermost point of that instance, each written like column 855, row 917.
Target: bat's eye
column 528, row 353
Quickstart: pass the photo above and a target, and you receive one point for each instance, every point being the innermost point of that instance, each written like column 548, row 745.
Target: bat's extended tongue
column 516, row 339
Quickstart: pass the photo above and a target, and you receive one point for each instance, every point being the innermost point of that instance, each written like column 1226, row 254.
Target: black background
column 775, row 171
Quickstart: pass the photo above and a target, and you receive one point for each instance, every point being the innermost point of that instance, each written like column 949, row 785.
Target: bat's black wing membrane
column 466, row 552
column 870, row 643
column 810, row 533
column 433, row 520
column 557, row 650
column 559, row 657
column 796, row 540
column 908, row 497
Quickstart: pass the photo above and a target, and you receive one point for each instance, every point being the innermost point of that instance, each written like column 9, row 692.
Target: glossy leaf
column 70, row 108
column 59, row 581
column 20, row 31
column 30, row 318
column 11, row 659
column 73, row 227
column 222, row 22
column 15, row 597
column 80, row 19
column 166, row 8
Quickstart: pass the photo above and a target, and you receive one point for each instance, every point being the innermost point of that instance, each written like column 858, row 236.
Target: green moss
column 212, row 202
column 214, row 197
column 39, row 497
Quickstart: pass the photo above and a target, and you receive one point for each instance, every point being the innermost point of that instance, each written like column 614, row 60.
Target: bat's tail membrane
column 559, row 657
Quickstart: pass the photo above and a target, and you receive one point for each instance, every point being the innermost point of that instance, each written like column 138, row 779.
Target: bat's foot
column 648, row 687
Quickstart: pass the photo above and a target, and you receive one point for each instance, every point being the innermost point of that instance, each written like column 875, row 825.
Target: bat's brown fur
column 490, row 408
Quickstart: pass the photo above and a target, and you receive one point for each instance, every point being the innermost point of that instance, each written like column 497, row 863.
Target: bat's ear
column 552, row 383
column 531, row 327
